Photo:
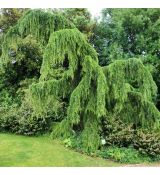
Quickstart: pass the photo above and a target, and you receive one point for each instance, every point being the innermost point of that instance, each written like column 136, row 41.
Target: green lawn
column 42, row 151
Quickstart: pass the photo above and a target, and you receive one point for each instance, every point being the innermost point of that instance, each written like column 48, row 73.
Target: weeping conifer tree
column 70, row 70
column 70, row 73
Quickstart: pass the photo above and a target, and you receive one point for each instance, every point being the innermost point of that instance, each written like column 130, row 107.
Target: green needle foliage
column 71, row 74
column 131, row 93
column 37, row 23
column 71, row 71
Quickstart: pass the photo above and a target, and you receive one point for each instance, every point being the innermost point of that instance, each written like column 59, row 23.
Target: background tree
column 81, row 18
column 9, row 17
column 128, row 33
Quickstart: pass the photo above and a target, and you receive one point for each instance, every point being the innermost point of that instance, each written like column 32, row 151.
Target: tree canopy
column 81, row 18
column 129, row 33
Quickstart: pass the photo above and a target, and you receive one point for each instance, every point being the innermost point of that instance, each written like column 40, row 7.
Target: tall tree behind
column 127, row 33
column 9, row 17
column 133, row 32
column 81, row 18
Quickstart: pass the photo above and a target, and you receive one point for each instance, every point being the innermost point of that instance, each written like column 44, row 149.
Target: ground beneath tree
column 42, row 151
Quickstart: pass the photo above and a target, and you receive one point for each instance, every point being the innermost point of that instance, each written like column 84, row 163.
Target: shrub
column 22, row 120
column 8, row 119
column 147, row 143
column 68, row 142
column 115, row 132
column 123, row 155
column 15, row 121
column 33, row 126
column 6, row 98
column 75, row 143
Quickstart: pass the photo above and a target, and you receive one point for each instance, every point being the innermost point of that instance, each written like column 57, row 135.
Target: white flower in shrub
column 103, row 141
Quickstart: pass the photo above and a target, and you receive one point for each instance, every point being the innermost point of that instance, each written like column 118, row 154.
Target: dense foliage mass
column 129, row 33
column 81, row 18
column 51, row 76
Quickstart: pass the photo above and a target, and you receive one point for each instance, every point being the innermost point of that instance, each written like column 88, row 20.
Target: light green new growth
column 131, row 93
column 70, row 73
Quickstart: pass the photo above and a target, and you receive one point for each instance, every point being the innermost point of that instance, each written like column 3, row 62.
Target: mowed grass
column 41, row 151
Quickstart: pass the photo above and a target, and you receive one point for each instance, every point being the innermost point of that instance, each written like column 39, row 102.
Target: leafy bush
column 33, row 126
column 16, row 121
column 123, row 155
column 22, row 120
column 68, row 142
column 6, row 98
column 147, row 143
column 115, row 132
column 8, row 119
column 75, row 142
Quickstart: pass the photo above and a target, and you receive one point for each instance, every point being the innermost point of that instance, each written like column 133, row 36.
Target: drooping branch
column 131, row 92
column 37, row 23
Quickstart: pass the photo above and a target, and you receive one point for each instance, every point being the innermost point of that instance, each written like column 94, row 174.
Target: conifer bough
column 70, row 73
